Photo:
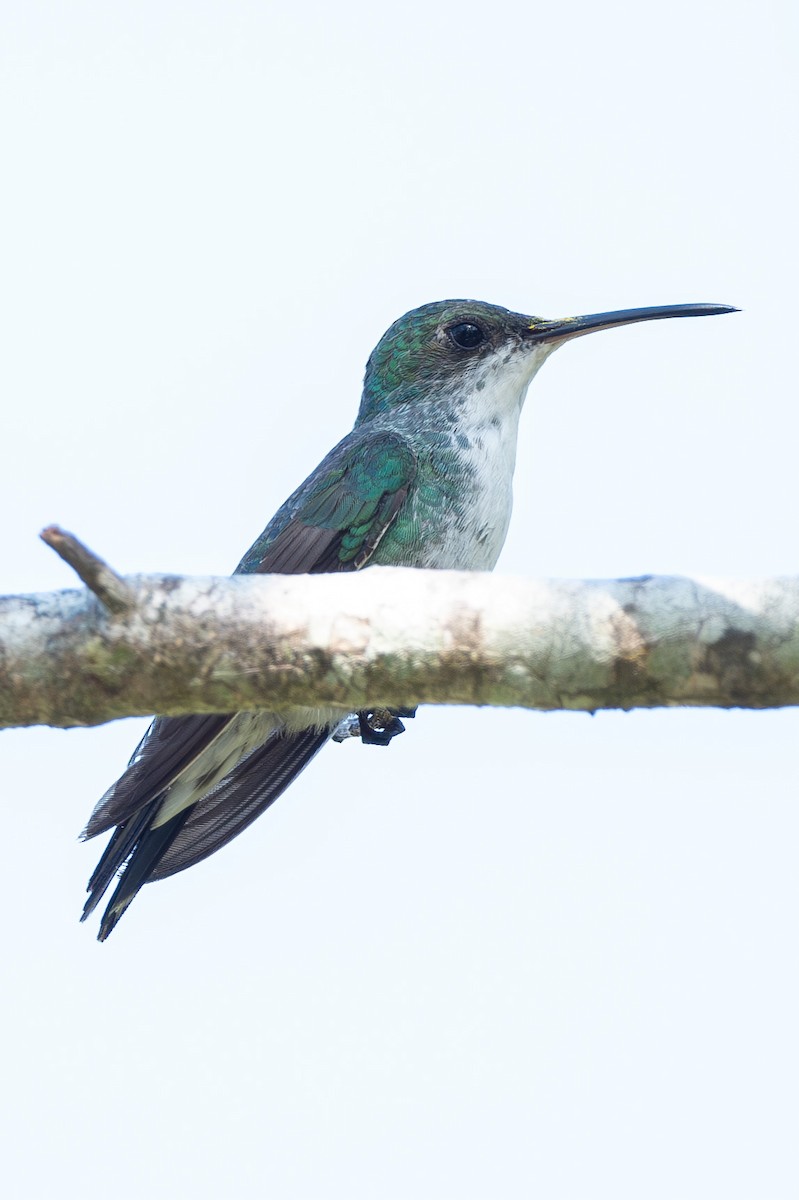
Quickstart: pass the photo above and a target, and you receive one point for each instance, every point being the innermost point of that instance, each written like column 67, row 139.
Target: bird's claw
column 380, row 725
column 374, row 726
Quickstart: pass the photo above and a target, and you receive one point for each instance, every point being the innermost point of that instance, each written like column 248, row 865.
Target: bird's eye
column 466, row 336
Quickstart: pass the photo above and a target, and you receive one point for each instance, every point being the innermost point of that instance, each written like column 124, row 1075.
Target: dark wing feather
column 170, row 745
column 250, row 788
column 301, row 549
column 333, row 522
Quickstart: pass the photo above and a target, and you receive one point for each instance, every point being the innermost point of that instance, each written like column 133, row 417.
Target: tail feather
column 120, row 846
column 147, row 852
column 142, row 852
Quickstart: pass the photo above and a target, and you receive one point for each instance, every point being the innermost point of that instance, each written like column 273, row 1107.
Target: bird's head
column 457, row 347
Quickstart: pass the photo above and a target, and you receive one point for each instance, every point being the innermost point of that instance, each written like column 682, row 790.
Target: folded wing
column 232, row 766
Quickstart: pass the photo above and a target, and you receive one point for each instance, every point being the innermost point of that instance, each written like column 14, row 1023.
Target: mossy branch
column 390, row 636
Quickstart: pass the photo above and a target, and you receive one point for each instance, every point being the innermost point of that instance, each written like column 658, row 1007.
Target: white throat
column 489, row 410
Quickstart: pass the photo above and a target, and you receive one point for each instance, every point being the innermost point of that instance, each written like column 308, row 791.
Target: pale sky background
column 515, row 954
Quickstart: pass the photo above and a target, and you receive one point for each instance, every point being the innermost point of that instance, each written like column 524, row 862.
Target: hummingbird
column 423, row 480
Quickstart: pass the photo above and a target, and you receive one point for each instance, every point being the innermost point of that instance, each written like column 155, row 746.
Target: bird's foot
column 380, row 725
column 374, row 726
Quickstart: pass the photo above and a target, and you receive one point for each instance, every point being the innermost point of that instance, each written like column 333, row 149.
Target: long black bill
column 571, row 327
